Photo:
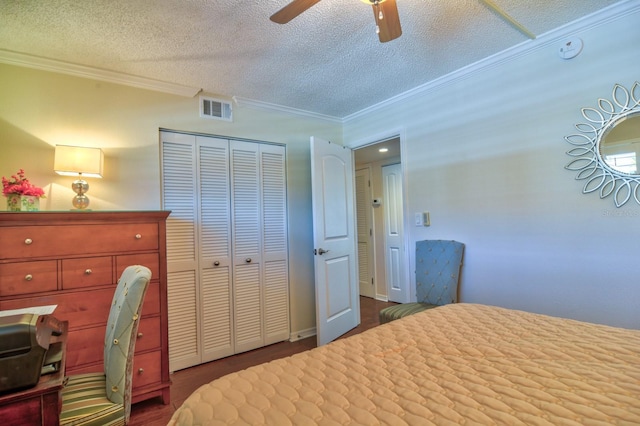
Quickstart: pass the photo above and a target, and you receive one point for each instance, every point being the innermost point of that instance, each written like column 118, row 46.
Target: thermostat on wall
column 571, row 48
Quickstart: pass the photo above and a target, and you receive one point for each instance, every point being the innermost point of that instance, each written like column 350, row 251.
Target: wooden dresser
column 73, row 260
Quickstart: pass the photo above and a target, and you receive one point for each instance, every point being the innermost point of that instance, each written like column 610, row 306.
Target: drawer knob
column 88, row 272
column 216, row 263
column 140, row 335
column 248, row 260
column 28, row 277
column 28, row 241
column 140, row 370
column 138, row 236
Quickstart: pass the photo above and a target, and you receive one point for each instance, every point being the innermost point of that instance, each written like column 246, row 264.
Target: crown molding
column 596, row 19
column 252, row 103
column 44, row 64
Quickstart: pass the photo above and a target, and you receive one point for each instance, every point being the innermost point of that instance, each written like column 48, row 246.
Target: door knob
column 322, row 251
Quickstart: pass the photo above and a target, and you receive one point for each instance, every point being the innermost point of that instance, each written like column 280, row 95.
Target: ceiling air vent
column 215, row 108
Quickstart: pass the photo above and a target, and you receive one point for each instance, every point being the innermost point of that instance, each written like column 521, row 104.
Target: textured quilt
column 456, row 364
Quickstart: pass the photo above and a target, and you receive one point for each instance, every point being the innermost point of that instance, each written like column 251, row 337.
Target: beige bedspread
column 457, row 364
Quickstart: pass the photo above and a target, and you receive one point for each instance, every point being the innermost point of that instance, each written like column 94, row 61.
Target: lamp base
column 80, row 201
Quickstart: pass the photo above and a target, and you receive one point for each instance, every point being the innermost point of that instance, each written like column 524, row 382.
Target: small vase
column 23, row 203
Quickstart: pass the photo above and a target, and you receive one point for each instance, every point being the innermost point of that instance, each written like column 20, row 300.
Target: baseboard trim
column 302, row 334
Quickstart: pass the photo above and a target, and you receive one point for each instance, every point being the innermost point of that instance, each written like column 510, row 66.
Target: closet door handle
column 322, row 251
column 216, row 263
column 248, row 260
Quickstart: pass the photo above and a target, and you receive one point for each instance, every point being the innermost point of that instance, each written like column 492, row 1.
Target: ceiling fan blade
column 290, row 11
column 390, row 23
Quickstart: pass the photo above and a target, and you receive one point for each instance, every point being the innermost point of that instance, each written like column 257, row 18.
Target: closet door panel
column 245, row 199
column 184, row 349
column 247, row 243
column 217, row 313
column 179, row 196
column 248, row 314
column 274, row 230
column 215, row 217
column 276, row 301
column 274, row 202
column 215, row 248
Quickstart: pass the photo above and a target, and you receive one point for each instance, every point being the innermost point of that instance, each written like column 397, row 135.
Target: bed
column 455, row 364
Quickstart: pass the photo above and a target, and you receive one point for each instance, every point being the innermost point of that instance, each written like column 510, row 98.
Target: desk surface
column 40, row 404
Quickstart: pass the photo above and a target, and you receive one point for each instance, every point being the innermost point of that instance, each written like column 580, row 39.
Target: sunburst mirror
column 607, row 148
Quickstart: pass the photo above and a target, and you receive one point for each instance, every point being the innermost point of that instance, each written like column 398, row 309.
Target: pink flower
column 19, row 184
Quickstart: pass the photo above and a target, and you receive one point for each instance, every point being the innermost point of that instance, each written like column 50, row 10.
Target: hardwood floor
column 154, row 413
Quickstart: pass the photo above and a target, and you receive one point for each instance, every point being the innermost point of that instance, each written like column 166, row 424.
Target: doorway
column 379, row 210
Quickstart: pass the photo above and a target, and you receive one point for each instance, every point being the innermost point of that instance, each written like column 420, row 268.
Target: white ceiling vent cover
column 215, row 108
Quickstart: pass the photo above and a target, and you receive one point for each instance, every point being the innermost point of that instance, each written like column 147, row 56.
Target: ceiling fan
column 385, row 13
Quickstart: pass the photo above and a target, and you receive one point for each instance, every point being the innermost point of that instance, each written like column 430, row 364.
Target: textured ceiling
column 327, row 60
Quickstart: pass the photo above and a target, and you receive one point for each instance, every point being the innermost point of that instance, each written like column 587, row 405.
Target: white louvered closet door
column 261, row 292
column 274, row 249
column 215, row 248
column 226, row 246
column 179, row 195
column 246, row 209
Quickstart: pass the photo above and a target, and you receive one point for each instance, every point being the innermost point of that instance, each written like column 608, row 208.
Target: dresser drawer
column 150, row 260
column 148, row 334
column 86, row 272
column 42, row 241
column 81, row 308
column 147, row 369
column 28, row 277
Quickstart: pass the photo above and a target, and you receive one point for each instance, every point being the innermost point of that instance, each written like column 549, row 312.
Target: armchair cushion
column 391, row 313
column 85, row 402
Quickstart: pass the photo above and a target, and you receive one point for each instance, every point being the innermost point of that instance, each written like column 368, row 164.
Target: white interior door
column 394, row 246
column 334, row 238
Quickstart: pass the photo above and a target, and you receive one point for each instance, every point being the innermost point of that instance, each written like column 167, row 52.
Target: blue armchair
column 438, row 265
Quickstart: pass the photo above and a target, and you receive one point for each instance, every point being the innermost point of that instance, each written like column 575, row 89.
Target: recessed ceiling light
column 383, row 150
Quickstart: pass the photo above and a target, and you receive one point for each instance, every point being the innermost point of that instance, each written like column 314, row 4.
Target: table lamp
column 82, row 162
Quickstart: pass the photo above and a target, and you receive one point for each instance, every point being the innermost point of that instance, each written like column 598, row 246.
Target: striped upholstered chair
column 105, row 398
column 438, row 264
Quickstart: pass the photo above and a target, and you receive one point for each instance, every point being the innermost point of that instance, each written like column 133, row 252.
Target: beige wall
column 41, row 109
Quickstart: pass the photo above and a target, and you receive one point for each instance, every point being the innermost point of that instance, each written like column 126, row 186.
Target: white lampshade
column 78, row 161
